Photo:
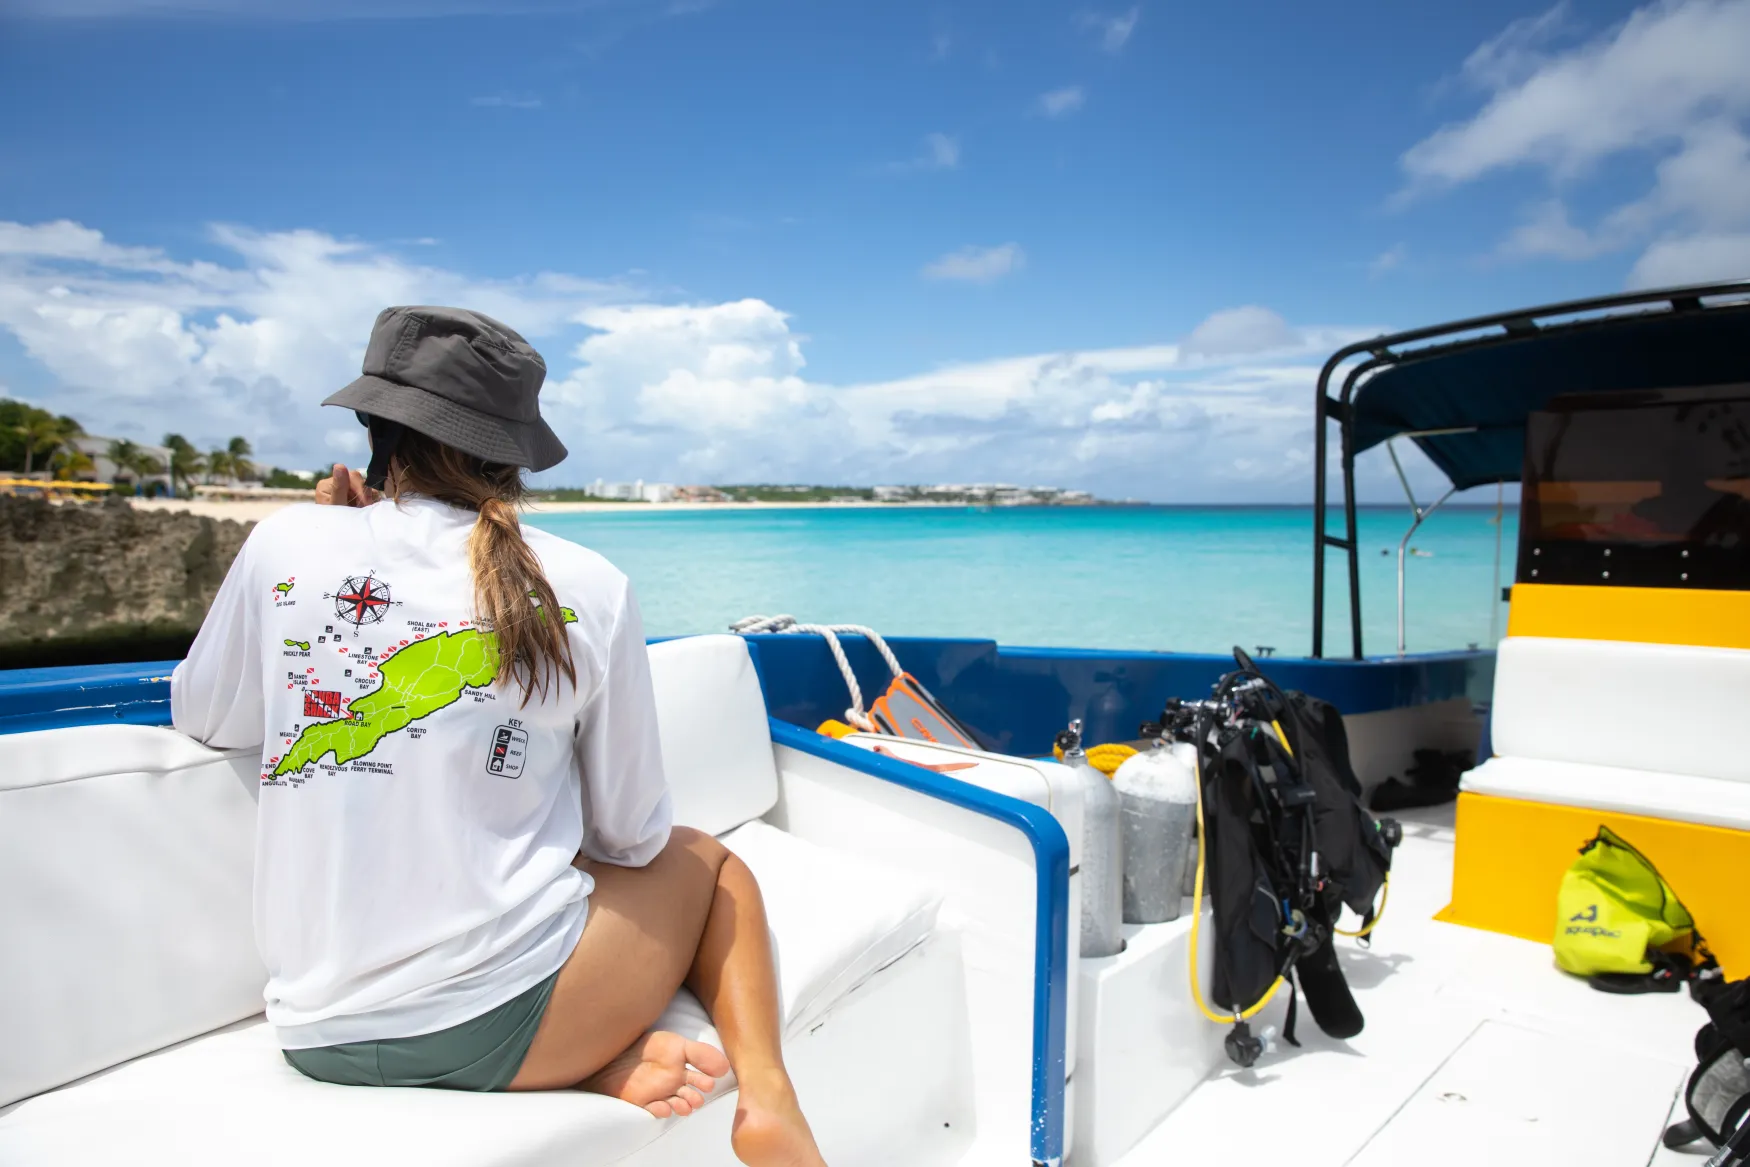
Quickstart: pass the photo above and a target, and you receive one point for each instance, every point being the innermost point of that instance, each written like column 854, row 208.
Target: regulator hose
column 1238, row 1015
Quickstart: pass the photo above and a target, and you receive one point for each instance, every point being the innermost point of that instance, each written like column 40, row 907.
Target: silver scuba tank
column 1187, row 753
column 1102, row 851
column 1159, row 799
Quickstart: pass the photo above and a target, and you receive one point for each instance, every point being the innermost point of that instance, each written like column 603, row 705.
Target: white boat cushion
column 836, row 919
column 229, row 1099
column 1683, row 797
column 126, row 870
column 716, row 748
column 1667, row 709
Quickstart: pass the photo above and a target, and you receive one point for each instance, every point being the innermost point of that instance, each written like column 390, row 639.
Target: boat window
column 1639, row 490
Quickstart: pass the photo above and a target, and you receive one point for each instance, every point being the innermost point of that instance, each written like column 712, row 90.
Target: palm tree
column 40, row 432
column 125, row 456
column 135, row 462
column 218, row 464
column 185, row 460
column 70, row 462
column 240, row 451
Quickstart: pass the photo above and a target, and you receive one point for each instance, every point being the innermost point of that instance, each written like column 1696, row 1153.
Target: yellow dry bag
column 1613, row 909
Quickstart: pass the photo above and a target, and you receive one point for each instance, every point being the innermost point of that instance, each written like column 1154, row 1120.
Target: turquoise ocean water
column 1171, row 578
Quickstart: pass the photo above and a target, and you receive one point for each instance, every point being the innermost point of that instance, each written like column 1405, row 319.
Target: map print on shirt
column 418, row 678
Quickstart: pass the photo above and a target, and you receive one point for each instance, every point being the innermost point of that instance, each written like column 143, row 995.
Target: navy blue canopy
column 1488, row 384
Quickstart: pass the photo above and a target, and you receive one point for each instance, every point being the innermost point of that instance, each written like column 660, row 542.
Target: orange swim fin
column 908, row 710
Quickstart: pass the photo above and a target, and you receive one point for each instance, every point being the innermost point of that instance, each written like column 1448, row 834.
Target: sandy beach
column 250, row 510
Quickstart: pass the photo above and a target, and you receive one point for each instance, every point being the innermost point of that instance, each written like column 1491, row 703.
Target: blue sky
column 766, row 239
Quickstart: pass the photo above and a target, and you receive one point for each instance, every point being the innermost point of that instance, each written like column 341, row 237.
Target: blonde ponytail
column 512, row 597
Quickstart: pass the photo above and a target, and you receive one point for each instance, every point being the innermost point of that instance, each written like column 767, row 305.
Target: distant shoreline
column 253, row 510
column 250, row 510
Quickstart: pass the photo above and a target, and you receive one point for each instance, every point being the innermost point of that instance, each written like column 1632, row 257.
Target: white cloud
column 1692, row 259
column 977, row 265
column 141, row 343
column 1241, row 332
column 1640, row 85
column 1112, row 30
column 941, row 152
column 1388, row 260
column 137, row 342
column 1518, row 52
column 1546, row 230
column 507, row 101
column 1667, row 86
column 1061, row 102
column 346, row 440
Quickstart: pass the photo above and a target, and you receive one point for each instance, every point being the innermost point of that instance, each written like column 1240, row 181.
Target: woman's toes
column 659, row 1109
column 708, row 1058
column 691, row 1097
column 703, row 1083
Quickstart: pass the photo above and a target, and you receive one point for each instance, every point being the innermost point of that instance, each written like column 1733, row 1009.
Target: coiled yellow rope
column 1106, row 759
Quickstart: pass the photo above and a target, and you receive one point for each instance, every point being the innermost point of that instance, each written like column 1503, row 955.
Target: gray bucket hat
column 460, row 377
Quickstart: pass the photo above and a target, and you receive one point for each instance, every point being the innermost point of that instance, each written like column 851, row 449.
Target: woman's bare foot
column 769, row 1128
column 653, row 1073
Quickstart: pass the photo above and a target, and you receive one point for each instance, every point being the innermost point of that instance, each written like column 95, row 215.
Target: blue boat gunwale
column 1051, row 929
column 1015, row 697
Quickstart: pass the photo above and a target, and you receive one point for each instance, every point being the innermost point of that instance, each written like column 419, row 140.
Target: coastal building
column 104, row 469
column 699, row 494
column 635, row 491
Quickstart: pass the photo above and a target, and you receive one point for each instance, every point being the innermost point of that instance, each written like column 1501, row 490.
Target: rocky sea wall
column 98, row 582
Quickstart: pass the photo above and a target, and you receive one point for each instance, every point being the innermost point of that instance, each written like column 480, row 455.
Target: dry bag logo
column 508, row 750
column 1585, row 924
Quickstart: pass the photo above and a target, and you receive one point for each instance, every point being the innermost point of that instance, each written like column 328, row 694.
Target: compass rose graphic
column 362, row 599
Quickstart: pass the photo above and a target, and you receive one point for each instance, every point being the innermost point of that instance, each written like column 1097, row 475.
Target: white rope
column 829, row 632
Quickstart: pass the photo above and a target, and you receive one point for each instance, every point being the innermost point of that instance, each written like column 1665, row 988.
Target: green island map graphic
column 417, row 681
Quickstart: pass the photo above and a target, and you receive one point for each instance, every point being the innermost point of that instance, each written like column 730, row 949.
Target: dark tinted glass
column 1651, row 494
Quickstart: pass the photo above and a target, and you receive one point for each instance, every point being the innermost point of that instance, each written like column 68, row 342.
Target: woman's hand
column 345, row 488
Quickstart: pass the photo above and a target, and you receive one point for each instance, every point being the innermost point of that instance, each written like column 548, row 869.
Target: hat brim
column 531, row 445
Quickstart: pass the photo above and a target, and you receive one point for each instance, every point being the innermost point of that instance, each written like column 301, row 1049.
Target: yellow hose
column 1197, row 920
column 1384, row 894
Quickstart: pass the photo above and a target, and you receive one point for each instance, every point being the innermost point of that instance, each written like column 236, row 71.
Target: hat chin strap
column 385, row 436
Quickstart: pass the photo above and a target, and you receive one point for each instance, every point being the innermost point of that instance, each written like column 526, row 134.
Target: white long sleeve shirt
column 417, row 822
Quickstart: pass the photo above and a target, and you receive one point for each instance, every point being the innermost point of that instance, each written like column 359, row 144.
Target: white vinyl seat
column 1647, row 729
column 1611, row 788
column 229, row 1098
column 179, row 822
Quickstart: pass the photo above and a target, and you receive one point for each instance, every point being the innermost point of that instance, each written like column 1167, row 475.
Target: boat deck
column 1477, row 1050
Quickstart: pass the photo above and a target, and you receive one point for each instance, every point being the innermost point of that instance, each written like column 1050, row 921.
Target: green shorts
column 482, row 1053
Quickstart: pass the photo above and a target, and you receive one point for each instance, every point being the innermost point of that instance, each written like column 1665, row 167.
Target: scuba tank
column 1102, row 851
column 1159, row 797
column 1187, row 755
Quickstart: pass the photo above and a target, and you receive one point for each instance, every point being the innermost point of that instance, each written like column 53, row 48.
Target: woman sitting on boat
column 466, row 872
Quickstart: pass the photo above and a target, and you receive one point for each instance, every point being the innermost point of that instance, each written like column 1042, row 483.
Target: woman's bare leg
column 733, row 977
column 693, row 916
column 645, row 920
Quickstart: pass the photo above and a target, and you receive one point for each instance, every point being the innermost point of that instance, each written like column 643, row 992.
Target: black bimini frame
column 1505, row 328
